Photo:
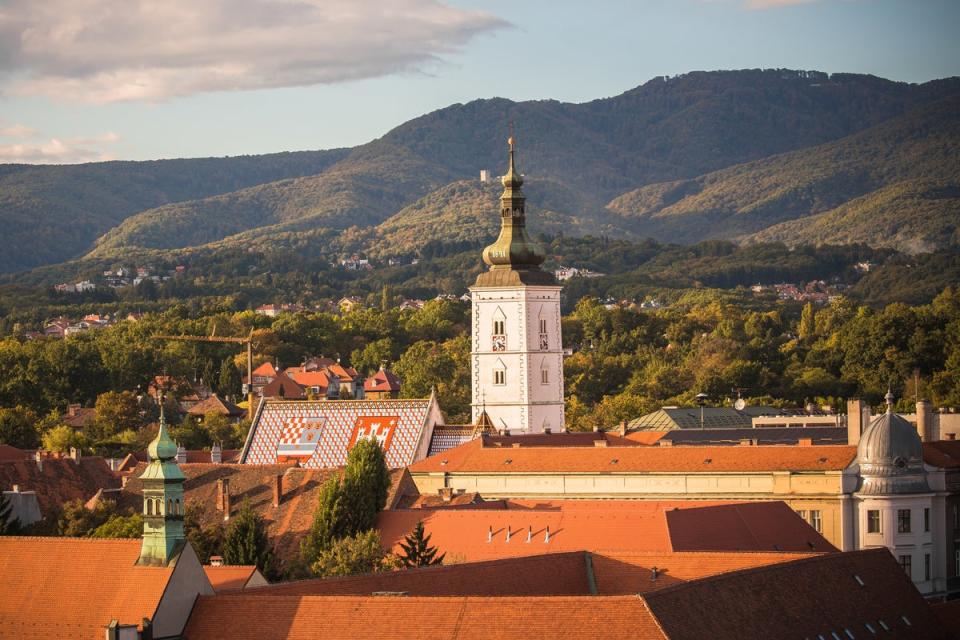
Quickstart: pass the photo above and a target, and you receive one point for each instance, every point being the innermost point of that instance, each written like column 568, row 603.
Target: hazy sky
column 130, row 79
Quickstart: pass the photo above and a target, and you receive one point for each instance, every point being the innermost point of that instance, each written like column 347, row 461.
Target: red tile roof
column 478, row 456
column 218, row 405
column 603, row 526
column 819, row 596
column 59, row 479
column 227, row 577
column 949, row 615
column 944, row 454
column 266, row 370
column 748, row 525
column 74, row 587
column 249, row 617
column 12, row 454
column 283, row 387
column 383, row 380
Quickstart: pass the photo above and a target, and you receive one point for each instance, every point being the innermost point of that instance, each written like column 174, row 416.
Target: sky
column 89, row 80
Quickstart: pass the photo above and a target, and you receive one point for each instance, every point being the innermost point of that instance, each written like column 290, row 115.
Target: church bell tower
column 163, row 503
column 517, row 352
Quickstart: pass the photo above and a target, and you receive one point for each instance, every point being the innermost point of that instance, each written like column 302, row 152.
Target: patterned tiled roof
column 445, row 438
column 74, row 587
column 319, row 434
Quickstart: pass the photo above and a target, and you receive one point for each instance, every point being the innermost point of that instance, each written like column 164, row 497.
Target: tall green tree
column 246, row 540
column 229, row 383
column 417, row 551
column 360, row 553
column 115, row 412
column 330, row 521
column 366, row 482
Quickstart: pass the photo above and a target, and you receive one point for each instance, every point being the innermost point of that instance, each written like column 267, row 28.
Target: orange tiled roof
column 217, row 404
column 478, row 457
column 229, row 576
column 248, row 617
column 265, row 370
column 58, row 480
column 309, row 378
column 808, row 598
column 467, row 534
column 74, row 587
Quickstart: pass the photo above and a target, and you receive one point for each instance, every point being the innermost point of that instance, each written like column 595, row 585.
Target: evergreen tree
column 9, row 525
column 361, row 553
column 366, row 482
column 329, row 521
column 229, row 378
column 246, row 541
column 417, row 551
column 209, row 374
column 808, row 322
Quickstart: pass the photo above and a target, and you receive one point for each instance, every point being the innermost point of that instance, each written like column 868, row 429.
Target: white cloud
column 57, row 151
column 110, row 50
column 16, row 131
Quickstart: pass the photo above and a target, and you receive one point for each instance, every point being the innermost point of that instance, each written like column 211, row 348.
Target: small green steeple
column 514, row 258
column 163, row 502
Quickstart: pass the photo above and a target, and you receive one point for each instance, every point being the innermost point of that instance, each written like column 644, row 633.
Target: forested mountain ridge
column 895, row 184
column 51, row 213
column 578, row 158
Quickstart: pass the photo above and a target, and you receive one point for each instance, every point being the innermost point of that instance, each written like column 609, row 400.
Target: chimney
column 855, row 410
column 181, row 454
column 805, row 442
column 623, row 428
column 226, row 503
column 529, row 533
column 489, row 534
column 925, row 421
column 546, row 537
column 216, row 561
column 223, row 489
column 596, row 428
column 216, row 453
column 75, row 454
column 277, row 489
column 746, row 442
column 38, row 456
column 600, row 443
column 508, row 533
column 16, row 488
column 665, row 442
column 446, row 493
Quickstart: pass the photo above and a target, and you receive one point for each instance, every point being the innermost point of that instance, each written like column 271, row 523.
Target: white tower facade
column 517, row 347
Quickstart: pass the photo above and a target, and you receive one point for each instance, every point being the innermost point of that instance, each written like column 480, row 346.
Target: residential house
column 382, row 384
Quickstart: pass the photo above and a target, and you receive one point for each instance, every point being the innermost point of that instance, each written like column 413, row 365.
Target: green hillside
column 54, row 213
column 650, row 143
column 893, row 185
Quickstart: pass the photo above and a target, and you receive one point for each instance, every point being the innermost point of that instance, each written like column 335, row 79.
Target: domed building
column 894, row 500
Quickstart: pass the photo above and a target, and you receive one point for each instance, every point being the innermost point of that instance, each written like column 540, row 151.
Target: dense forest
column 625, row 361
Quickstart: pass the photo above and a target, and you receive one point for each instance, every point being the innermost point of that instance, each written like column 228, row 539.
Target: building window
column 803, row 514
column 873, row 521
column 149, row 507
column 903, row 520
column 543, row 325
column 544, row 376
column 499, row 376
column 906, row 563
column 926, row 520
column 815, row 520
column 499, row 327
column 926, row 566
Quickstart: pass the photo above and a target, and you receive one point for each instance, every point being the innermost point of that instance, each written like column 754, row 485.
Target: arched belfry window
column 149, row 505
column 499, row 373
column 544, row 336
column 544, row 371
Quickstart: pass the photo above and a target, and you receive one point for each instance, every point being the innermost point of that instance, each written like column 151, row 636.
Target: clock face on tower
column 499, row 343
column 544, row 342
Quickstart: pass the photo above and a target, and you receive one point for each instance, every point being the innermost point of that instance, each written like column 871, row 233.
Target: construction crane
column 215, row 338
